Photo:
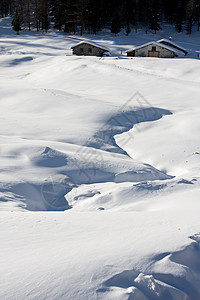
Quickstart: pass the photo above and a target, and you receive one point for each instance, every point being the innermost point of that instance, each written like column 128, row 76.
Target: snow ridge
column 154, row 283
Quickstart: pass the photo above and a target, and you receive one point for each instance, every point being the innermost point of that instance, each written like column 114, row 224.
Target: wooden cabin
column 89, row 49
column 153, row 49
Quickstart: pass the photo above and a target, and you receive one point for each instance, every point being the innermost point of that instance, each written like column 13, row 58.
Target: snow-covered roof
column 91, row 44
column 156, row 44
column 172, row 44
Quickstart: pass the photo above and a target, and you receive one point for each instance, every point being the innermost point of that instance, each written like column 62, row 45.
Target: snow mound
column 51, row 158
column 170, row 276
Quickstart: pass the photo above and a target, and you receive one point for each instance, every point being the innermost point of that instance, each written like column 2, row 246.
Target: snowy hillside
column 100, row 169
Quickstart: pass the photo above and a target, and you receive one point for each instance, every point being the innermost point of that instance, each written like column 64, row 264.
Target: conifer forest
column 90, row 16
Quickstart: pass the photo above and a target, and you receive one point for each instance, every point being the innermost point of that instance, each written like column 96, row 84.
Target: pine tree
column 58, row 8
column 169, row 8
column 95, row 15
column 116, row 24
column 197, row 14
column 179, row 17
column 70, row 16
column 154, row 18
column 128, row 15
column 128, row 28
column 18, row 15
column 16, row 23
column 27, row 14
column 5, row 7
column 190, row 12
column 44, row 14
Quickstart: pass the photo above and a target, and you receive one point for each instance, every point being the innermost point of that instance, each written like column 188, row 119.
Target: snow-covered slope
column 113, row 143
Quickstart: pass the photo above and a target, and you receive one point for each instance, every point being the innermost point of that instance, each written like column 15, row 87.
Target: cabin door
column 153, row 53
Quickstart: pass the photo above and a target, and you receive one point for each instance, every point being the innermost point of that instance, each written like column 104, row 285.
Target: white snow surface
column 100, row 169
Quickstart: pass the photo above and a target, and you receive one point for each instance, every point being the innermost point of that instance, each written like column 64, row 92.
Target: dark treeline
column 90, row 16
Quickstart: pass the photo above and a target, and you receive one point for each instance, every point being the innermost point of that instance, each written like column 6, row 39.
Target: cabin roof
column 156, row 44
column 91, row 44
column 173, row 45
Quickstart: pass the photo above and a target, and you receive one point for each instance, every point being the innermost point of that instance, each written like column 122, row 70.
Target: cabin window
column 153, row 48
column 81, row 49
column 89, row 50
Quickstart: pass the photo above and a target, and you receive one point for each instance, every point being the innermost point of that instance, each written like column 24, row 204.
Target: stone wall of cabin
column 163, row 52
column 85, row 49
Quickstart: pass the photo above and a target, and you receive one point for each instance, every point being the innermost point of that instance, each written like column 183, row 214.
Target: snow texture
column 100, row 168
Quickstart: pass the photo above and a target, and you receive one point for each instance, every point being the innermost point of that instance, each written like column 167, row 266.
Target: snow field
column 112, row 144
